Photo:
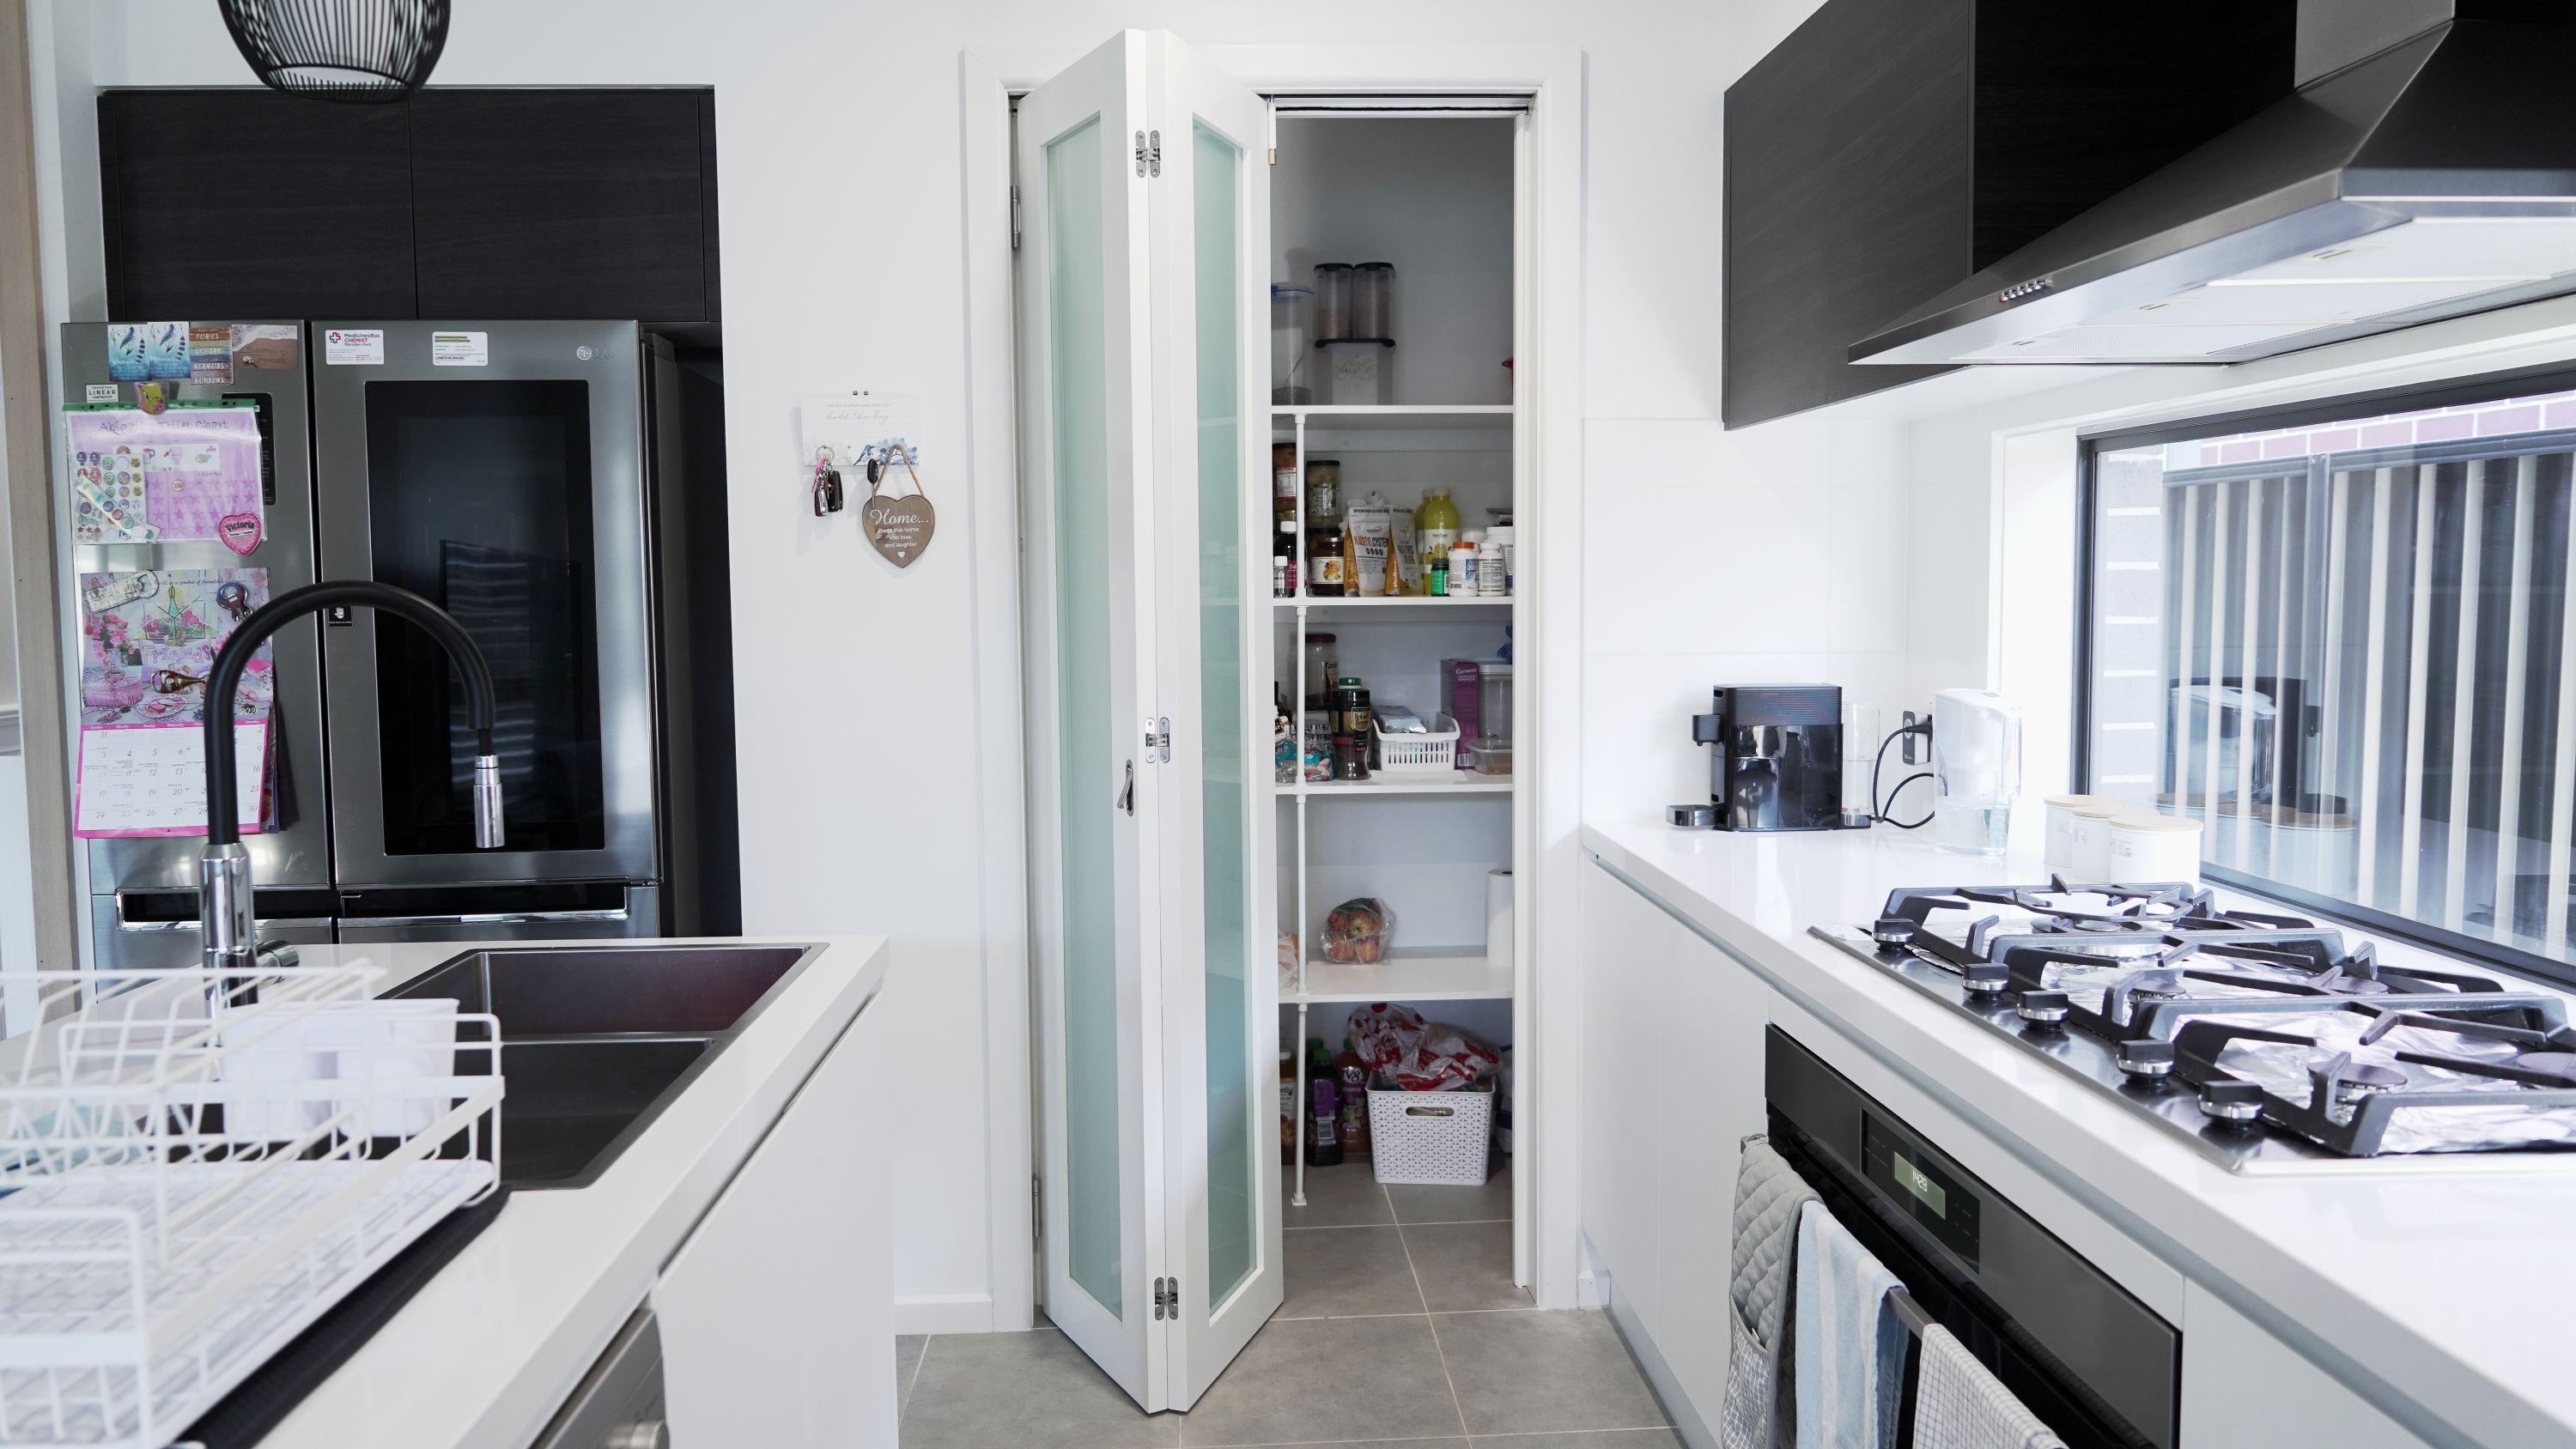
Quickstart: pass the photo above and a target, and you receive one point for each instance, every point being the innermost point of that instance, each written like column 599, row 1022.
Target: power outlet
column 1914, row 749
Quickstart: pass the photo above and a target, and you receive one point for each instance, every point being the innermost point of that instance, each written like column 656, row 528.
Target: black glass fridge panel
column 479, row 498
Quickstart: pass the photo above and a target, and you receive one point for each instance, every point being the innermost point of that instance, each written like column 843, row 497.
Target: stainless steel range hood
column 2425, row 168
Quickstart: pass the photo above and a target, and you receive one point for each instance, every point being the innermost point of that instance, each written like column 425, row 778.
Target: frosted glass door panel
column 1075, row 264
column 1234, row 1177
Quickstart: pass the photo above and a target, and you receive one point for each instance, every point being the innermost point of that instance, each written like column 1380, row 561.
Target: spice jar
column 1323, row 489
column 1283, row 479
column 1350, row 730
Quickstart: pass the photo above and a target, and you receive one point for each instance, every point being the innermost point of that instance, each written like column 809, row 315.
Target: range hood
column 2425, row 168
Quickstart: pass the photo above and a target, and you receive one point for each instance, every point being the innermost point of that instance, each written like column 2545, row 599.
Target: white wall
column 839, row 182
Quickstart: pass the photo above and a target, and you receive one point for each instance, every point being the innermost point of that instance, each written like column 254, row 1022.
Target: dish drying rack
column 194, row 1166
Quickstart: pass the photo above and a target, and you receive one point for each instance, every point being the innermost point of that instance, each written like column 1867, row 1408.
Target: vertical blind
column 2353, row 667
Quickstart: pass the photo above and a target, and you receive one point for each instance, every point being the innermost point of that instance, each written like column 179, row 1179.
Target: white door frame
column 1549, row 349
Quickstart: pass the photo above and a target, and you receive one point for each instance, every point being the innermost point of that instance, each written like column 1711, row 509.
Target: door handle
column 1127, row 792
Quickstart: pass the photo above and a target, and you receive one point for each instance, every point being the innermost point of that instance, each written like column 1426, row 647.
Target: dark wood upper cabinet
column 247, row 203
column 1890, row 149
column 470, row 204
column 542, row 203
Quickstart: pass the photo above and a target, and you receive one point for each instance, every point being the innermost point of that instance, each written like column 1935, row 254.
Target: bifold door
column 1144, row 184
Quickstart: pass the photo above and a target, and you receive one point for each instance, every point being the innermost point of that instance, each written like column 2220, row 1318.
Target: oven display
column 1921, row 1187
column 1916, row 1181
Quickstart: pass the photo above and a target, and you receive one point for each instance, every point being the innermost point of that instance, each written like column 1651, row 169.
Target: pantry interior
column 1433, row 189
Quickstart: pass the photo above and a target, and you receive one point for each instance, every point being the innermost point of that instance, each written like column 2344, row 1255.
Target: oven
column 2095, row 1364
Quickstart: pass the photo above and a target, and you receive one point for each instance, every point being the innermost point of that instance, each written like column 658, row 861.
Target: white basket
column 187, row 1193
column 1425, row 756
column 1438, row 1138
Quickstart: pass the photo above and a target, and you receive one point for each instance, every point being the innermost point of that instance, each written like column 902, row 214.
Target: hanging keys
column 828, row 497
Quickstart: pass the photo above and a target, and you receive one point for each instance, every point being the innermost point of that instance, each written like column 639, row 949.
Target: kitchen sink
column 596, row 1040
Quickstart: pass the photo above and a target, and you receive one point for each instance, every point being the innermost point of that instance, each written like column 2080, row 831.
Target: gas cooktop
column 2261, row 1038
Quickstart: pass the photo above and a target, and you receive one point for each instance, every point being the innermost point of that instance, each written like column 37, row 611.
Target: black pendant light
column 367, row 51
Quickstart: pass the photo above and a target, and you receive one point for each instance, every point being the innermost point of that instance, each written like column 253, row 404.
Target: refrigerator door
column 269, row 371
column 498, row 470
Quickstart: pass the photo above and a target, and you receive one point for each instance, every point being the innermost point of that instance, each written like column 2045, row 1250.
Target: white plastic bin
column 1436, row 1138
column 1431, row 756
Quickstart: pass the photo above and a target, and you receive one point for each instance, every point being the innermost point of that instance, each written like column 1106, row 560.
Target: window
column 2341, row 641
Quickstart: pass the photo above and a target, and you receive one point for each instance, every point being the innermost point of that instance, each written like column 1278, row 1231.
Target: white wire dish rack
column 182, row 1190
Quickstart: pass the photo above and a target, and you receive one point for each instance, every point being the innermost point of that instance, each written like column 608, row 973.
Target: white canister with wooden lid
column 2148, row 847
column 2059, row 851
column 2088, row 839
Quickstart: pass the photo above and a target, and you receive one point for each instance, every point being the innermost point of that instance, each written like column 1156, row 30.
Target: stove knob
column 1893, row 930
column 1987, row 978
column 2232, row 1104
column 2145, row 1060
column 2044, row 1010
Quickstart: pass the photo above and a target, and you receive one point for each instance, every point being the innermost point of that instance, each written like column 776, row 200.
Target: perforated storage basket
column 1432, row 756
column 1437, row 1138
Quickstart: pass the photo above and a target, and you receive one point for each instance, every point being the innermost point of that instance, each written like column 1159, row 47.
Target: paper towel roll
column 1498, row 918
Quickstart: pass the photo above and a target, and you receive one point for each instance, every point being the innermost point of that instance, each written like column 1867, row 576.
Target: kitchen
column 1890, row 540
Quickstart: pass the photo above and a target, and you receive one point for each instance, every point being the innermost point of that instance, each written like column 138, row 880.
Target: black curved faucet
column 223, row 880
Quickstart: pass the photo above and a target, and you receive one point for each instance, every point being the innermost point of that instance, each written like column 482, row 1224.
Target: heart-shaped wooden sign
column 899, row 527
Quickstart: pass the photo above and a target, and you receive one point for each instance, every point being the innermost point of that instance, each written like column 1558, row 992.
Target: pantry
column 1276, row 454
column 1398, row 832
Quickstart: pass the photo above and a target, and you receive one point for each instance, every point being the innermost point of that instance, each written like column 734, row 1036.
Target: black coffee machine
column 1776, row 759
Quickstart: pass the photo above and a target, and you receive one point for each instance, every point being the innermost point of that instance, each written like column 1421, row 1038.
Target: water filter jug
column 1976, row 769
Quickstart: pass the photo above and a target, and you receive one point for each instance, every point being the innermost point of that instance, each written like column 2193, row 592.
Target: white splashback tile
column 1703, row 570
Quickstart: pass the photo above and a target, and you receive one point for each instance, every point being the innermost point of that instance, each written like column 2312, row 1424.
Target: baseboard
column 1687, row 1423
column 944, row 1313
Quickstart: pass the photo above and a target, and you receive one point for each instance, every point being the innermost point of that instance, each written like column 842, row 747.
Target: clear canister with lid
column 1323, row 662
column 1332, row 301
column 1373, row 300
column 1494, row 717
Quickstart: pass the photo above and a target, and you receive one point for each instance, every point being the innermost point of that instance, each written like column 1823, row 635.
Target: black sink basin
column 595, row 1040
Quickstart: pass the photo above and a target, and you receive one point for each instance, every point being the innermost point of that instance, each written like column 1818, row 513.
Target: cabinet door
column 777, row 1314
column 560, row 204
column 247, row 203
column 1142, row 256
column 1672, row 1082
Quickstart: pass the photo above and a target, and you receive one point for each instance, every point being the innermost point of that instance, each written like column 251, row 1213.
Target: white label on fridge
column 102, row 392
column 353, row 346
column 460, row 349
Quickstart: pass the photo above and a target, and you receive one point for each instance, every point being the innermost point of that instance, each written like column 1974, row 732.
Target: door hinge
column 1015, row 218
column 1163, row 741
column 1149, row 153
column 1167, row 1298
column 1037, row 1210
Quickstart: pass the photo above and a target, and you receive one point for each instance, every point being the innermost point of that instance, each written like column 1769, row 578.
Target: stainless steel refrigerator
column 530, row 478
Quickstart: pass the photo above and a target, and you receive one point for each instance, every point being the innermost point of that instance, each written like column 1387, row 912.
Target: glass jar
column 1292, row 343
column 1332, row 301
column 1373, row 300
column 1323, row 490
column 1283, row 480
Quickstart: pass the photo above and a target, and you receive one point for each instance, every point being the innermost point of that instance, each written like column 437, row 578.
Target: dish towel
column 1958, row 1405
column 1850, row 1350
column 1768, row 1196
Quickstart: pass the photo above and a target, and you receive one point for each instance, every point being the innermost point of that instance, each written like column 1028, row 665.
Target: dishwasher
column 2096, row 1365
column 618, row 1404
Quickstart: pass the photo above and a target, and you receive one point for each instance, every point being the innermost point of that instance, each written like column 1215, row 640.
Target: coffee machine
column 1775, row 758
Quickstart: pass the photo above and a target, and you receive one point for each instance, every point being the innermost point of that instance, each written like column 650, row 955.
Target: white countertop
column 2446, row 1280
column 487, row 1350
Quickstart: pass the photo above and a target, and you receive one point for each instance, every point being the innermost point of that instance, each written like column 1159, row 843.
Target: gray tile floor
column 1401, row 1327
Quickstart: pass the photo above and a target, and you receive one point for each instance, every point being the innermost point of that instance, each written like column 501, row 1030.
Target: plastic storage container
column 1493, row 745
column 1373, row 300
column 1439, row 1138
column 1354, row 374
column 1332, row 301
column 1292, row 344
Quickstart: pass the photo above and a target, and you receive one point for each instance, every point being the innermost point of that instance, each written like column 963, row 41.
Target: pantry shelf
column 1407, row 607
column 1400, row 415
column 1471, row 784
column 1442, row 973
